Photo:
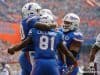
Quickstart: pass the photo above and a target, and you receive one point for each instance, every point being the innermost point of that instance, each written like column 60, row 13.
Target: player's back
column 45, row 43
column 27, row 24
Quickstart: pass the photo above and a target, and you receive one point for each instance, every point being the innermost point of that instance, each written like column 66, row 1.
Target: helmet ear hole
column 31, row 13
column 38, row 10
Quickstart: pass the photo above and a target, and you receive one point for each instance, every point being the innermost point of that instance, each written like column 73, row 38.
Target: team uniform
column 27, row 52
column 69, row 37
column 97, row 55
column 72, row 36
column 45, row 45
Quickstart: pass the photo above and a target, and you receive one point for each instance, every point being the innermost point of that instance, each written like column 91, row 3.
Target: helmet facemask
column 67, row 26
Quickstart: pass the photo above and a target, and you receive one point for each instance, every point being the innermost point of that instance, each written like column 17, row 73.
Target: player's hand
column 53, row 25
column 91, row 66
column 11, row 51
column 64, row 69
column 70, row 69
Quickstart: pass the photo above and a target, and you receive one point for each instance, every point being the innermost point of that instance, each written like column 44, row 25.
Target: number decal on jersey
column 45, row 41
column 52, row 43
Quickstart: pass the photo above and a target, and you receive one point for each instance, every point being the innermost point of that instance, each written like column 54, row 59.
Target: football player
column 30, row 18
column 45, row 44
column 95, row 56
column 48, row 11
column 73, row 40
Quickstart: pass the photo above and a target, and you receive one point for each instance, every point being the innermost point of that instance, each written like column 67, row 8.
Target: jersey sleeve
column 78, row 36
column 61, row 36
column 31, row 21
column 97, row 43
column 30, row 33
column 22, row 34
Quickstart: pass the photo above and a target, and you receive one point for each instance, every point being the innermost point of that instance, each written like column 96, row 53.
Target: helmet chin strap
column 69, row 29
column 66, row 30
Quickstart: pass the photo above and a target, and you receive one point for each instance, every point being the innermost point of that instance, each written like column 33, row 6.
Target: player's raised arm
column 65, row 50
column 44, row 23
column 44, row 26
column 20, row 45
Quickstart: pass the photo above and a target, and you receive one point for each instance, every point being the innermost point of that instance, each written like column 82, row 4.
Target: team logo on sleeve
column 66, row 38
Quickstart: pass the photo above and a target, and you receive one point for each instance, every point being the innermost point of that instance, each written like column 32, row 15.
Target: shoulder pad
column 98, row 38
column 78, row 33
column 78, row 36
column 32, row 18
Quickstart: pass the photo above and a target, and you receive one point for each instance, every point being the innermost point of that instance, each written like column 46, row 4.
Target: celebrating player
column 73, row 40
column 29, row 18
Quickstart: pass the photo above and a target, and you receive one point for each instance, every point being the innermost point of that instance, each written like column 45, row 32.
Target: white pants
column 97, row 68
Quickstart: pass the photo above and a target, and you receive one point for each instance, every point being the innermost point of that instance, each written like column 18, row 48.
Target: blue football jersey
column 45, row 42
column 26, row 25
column 69, row 37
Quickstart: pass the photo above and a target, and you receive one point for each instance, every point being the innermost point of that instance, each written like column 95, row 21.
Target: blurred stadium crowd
column 88, row 10
column 10, row 11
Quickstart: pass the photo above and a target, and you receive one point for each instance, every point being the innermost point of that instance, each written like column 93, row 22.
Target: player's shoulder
column 59, row 33
column 97, row 43
column 78, row 36
column 78, row 33
column 59, row 29
column 32, row 30
column 32, row 18
column 23, row 20
column 98, row 37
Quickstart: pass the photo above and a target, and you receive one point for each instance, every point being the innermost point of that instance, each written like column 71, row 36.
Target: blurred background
column 10, row 17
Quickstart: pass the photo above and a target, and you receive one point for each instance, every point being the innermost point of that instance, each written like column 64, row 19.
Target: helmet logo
column 30, row 6
column 73, row 18
column 66, row 38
